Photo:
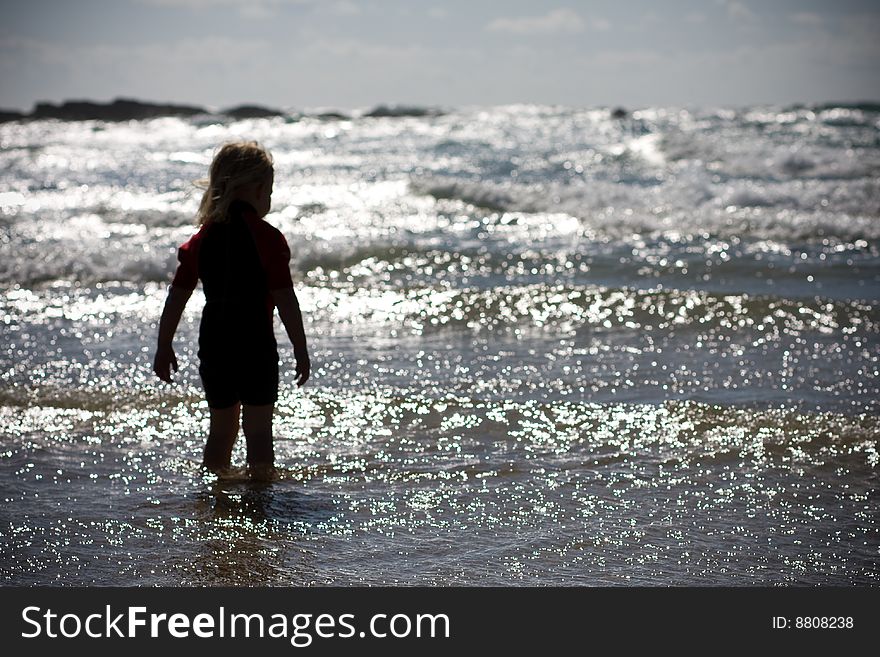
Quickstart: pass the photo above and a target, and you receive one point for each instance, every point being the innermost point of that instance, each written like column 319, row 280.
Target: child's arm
column 165, row 359
column 291, row 317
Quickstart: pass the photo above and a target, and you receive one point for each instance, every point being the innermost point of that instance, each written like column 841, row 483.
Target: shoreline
column 128, row 109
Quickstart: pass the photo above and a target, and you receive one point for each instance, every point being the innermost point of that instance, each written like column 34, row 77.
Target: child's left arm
column 165, row 359
column 288, row 309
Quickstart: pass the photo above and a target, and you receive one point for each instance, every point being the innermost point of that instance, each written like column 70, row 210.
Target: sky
column 348, row 54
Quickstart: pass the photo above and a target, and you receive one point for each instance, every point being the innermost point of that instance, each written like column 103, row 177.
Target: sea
column 551, row 346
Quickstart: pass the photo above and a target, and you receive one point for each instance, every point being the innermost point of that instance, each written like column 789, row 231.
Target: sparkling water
column 549, row 347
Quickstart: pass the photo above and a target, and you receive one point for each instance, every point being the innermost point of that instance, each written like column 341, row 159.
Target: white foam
column 648, row 148
column 90, row 201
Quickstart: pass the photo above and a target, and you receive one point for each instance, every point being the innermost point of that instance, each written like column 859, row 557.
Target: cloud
column 807, row 18
column 860, row 30
column 345, row 8
column 304, row 66
column 187, row 71
column 557, row 21
column 210, row 4
column 739, row 11
column 256, row 9
column 817, row 68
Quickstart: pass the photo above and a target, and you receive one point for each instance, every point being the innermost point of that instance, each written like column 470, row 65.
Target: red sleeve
column 187, row 274
column 274, row 254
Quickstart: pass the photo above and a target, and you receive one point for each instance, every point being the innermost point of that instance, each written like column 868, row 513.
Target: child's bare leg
column 257, row 424
column 221, row 437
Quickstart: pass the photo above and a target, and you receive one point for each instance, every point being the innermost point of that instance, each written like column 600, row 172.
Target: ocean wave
column 106, row 397
column 55, row 206
column 489, row 196
column 774, row 146
column 689, row 204
column 95, row 203
column 563, row 308
column 609, row 246
column 87, row 250
column 566, row 308
column 846, row 117
column 607, row 433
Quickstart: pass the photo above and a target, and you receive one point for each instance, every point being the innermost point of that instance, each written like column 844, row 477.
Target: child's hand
column 303, row 369
column 164, row 362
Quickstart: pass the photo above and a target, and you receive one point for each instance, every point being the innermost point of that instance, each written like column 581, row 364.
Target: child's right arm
column 165, row 359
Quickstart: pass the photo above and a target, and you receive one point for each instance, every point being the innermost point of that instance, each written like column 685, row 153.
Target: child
column 242, row 262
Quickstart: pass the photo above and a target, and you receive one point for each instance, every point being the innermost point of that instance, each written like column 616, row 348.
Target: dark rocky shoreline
column 126, row 109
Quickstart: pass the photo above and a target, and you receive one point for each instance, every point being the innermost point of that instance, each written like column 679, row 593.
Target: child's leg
column 257, row 424
column 221, row 437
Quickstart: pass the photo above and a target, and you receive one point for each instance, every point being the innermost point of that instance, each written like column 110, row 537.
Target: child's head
column 241, row 169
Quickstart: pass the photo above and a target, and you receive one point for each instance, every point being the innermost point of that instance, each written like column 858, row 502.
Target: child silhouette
column 242, row 262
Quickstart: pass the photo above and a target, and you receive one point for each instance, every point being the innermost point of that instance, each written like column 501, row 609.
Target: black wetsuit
column 238, row 261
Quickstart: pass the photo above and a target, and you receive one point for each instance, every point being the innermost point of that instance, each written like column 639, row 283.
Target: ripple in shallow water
column 383, row 489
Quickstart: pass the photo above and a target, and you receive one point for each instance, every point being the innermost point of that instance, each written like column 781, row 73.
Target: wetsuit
column 239, row 262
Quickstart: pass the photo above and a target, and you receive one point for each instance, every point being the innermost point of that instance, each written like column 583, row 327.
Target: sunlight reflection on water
column 548, row 347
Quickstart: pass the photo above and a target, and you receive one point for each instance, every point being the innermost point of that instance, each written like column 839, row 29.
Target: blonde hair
column 235, row 164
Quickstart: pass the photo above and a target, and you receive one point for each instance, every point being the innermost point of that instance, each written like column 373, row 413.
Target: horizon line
column 209, row 108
